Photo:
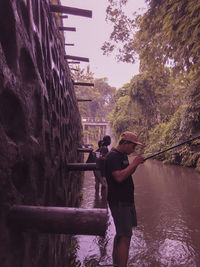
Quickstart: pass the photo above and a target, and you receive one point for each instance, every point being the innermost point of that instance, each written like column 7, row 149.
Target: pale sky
column 89, row 37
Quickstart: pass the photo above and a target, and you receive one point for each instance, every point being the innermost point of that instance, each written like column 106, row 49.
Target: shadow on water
column 168, row 208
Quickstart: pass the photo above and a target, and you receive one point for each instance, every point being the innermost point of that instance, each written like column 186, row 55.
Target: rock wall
column 40, row 130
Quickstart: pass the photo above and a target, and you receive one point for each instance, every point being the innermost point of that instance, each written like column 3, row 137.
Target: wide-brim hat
column 131, row 137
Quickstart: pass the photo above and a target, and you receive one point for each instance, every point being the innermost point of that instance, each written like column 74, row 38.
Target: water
column 168, row 208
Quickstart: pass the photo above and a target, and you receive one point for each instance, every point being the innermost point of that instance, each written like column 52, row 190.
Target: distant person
column 121, row 194
column 100, row 174
column 99, row 157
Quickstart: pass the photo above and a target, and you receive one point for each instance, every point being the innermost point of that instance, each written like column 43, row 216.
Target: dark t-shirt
column 123, row 191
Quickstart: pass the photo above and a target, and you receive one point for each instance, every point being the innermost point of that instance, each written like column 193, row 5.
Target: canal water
column 168, row 209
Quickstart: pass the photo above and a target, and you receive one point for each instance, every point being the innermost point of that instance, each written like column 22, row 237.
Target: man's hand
column 137, row 161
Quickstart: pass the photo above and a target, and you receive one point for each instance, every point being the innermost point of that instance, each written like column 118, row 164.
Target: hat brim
column 138, row 143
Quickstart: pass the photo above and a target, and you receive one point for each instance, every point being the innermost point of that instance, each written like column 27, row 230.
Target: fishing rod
column 167, row 149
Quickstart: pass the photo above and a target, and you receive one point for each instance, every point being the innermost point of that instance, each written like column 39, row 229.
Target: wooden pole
column 84, row 149
column 81, row 166
column 84, row 100
column 83, row 84
column 76, row 58
column 71, row 29
column 71, row 10
column 64, row 17
column 58, row 220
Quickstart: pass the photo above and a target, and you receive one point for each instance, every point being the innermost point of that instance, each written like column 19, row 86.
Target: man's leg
column 96, row 186
column 121, row 250
column 114, row 253
column 96, row 182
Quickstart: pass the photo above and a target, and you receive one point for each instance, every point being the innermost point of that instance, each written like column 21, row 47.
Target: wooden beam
column 84, row 149
column 71, row 10
column 83, row 100
column 71, row 29
column 76, row 58
column 83, row 84
column 58, row 220
column 81, row 166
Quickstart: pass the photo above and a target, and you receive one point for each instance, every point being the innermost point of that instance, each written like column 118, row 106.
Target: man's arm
column 121, row 175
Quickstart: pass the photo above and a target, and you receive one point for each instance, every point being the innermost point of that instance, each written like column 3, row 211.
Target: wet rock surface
column 40, row 129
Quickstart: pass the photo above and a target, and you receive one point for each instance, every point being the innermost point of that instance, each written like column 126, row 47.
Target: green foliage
column 156, row 138
column 101, row 95
column 167, row 33
column 165, row 135
column 162, row 102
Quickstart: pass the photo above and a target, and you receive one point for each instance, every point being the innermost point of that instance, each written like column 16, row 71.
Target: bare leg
column 104, row 192
column 96, row 186
column 121, row 250
column 114, row 253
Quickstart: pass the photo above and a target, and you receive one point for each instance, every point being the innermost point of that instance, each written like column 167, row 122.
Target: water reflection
column 168, row 208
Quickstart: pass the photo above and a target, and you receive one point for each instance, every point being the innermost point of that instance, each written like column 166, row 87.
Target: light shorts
column 124, row 217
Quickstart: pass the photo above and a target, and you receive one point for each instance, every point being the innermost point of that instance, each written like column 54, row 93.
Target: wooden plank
column 71, row 29
column 71, row 10
column 76, row 58
column 83, row 84
column 58, row 220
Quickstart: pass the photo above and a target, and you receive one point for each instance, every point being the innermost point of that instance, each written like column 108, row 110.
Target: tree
column 101, row 94
column 167, row 33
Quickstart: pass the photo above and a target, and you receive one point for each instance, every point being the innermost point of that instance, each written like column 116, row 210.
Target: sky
column 90, row 35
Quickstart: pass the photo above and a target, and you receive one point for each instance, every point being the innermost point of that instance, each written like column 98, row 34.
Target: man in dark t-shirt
column 100, row 160
column 120, row 198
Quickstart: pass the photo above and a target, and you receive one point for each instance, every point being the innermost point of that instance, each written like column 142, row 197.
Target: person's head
column 128, row 142
column 106, row 140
